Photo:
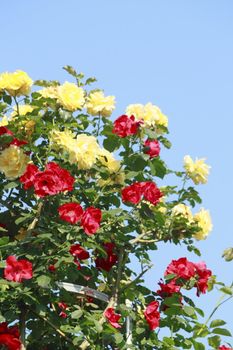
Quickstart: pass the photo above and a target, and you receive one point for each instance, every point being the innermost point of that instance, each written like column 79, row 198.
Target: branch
column 137, row 278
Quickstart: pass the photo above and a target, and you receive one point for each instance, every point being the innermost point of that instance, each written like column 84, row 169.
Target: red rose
column 152, row 148
column 4, row 130
column 151, row 192
column 125, row 126
column 53, row 180
column 132, row 193
column 70, row 212
column 182, row 268
column 78, row 252
column 17, row 142
column 29, row 176
column 108, row 262
column 10, row 342
column 112, row 317
column 223, row 347
column 17, row 270
column 203, row 276
column 91, row 220
column 152, row 315
column 67, row 181
column 9, row 337
column 167, row 289
column 63, row 306
column 52, row 268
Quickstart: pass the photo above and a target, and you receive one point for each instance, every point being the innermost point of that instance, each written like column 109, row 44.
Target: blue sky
column 176, row 54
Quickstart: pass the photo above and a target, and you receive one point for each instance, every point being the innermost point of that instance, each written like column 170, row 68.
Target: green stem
column 17, row 105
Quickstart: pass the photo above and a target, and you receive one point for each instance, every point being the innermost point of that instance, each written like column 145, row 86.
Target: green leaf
column 44, row 281
column 158, row 168
column 118, row 338
column 170, row 276
column 189, row 310
column 214, row 341
column 11, row 185
column 222, row 331
column 216, row 323
column 198, row 346
column 76, row 314
column 227, row 290
column 4, row 240
column 7, row 99
column 111, row 143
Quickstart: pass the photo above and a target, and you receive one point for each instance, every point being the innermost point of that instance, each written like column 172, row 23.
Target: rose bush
column 74, row 212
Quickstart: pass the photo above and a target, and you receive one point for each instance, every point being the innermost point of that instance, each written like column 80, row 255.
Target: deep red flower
column 111, row 259
column 52, row 268
column 4, row 130
column 17, row 142
column 112, row 317
column 203, row 276
column 13, row 330
column 182, row 268
column 223, row 347
column 151, row 192
column 67, row 181
column 29, row 176
column 152, row 148
column 9, row 336
column 132, row 193
column 167, row 289
column 17, row 270
column 152, row 315
column 91, row 220
column 53, row 180
column 77, row 251
column 70, row 212
column 10, row 342
column 125, row 126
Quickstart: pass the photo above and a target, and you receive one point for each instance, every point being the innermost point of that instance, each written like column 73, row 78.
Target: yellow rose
column 198, row 171
column 23, row 110
column 4, row 121
column 137, row 110
column 86, row 151
column 29, row 127
column 108, row 160
column 16, row 84
column 70, row 96
column 97, row 103
column 13, row 162
column 203, row 220
column 63, row 140
column 149, row 113
column 49, row 92
column 182, row 210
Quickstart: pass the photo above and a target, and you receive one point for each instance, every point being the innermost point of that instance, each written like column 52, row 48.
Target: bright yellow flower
column 70, row 96
column 149, row 113
column 98, row 103
column 23, row 110
column 182, row 210
column 48, row 92
column 86, row 151
column 13, row 162
column 198, row 171
column 108, row 160
column 203, row 220
column 4, row 121
column 16, row 84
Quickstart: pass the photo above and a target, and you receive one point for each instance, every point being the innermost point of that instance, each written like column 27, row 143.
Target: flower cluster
column 79, row 253
column 152, row 315
column 51, row 181
column 9, row 337
column 185, row 270
column 112, row 317
column 148, row 190
column 16, row 84
column 73, row 213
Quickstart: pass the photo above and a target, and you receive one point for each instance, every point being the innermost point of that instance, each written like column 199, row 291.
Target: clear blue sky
column 177, row 54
